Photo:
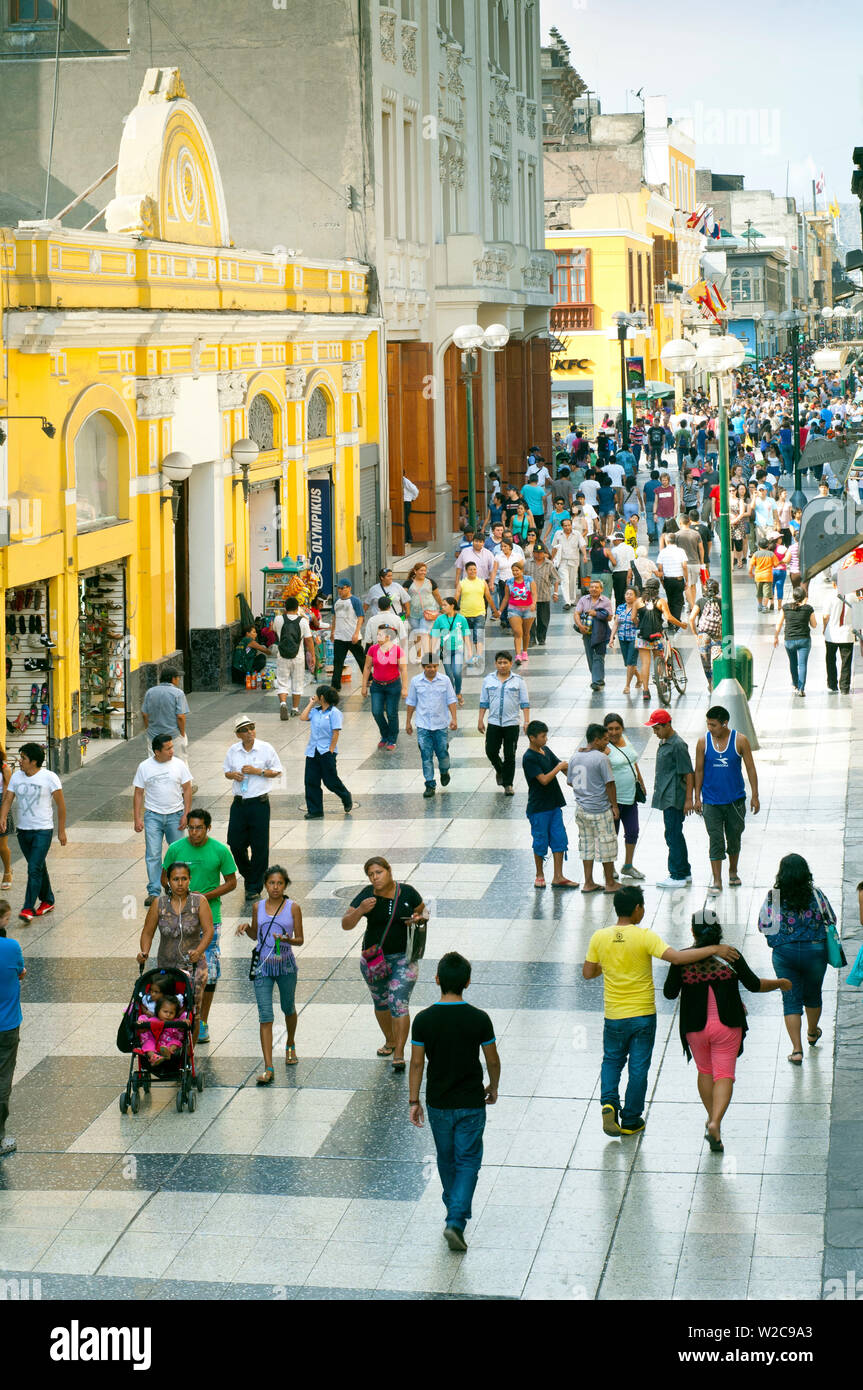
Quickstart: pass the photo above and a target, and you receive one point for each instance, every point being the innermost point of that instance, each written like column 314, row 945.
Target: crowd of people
column 579, row 532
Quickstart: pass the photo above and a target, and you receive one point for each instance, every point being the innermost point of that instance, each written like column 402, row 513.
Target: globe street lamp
column 470, row 340
column 792, row 319
column 826, row 315
column 627, row 327
column 243, row 455
column 176, row 467
column 719, row 356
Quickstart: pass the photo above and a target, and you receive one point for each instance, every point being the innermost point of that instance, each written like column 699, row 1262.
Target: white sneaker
column 673, row 882
column 7, row 1146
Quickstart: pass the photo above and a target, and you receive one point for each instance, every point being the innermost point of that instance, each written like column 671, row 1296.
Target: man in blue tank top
column 720, row 792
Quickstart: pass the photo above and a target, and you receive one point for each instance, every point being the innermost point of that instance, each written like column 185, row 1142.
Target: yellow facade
column 168, row 338
column 617, row 232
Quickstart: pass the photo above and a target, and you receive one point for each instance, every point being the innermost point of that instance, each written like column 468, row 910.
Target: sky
column 793, row 68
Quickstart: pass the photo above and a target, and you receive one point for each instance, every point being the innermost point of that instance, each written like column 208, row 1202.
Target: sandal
column 792, row 1056
column 716, row 1145
column 539, row 883
column 734, row 881
column 266, row 1077
column 818, row 1032
column 6, row 884
column 563, row 883
column 399, row 1065
column 597, row 888
column 386, row 1051
column 290, row 1056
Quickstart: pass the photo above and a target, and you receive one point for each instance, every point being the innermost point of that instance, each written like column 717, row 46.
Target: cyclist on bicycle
column 650, row 613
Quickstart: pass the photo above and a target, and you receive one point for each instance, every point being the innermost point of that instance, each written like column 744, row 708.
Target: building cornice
column 35, row 330
column 577, row 234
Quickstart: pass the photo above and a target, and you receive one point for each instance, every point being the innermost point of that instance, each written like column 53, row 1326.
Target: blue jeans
column 454, row 668
column 652, row 524
column 477, row 634
column 157, row 824
column 624, row 1038
column 457, row 1137
column 385, row 708
column 798, row 650
column 595, row 660
column 803, row 963
column 433, row 743
column 678, row 856
column 34, row 845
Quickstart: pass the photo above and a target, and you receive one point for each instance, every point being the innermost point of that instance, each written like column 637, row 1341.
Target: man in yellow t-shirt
column 472, row 594
column 623, row 954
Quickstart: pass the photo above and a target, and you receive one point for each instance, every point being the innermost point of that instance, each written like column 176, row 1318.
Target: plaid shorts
column 213, row 957
column 597, row 839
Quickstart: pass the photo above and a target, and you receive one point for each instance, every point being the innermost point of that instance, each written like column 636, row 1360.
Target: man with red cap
column 673, row 795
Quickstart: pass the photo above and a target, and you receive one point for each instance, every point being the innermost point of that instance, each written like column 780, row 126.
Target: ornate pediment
column 155, row 396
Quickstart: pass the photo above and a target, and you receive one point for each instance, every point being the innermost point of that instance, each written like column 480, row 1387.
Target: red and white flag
column 820, row 183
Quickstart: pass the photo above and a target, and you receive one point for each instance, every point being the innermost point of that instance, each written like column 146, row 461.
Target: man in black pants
column 502, row 699
column 346, row 631
column 250, row 764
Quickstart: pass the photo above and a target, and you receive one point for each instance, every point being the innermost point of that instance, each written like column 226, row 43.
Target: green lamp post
column 470, row 340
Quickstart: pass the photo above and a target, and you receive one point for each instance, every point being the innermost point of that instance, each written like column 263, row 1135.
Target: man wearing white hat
column 250, row 764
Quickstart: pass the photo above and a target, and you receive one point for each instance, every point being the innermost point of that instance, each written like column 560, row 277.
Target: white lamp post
column 470, row 340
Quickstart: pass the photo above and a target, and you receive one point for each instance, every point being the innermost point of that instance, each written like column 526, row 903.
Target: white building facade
column 459, row 236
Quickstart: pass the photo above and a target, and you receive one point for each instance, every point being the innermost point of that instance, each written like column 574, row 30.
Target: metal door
column 370, row 516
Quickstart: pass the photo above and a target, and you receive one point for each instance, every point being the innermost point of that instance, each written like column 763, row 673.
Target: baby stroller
column 180, row 1067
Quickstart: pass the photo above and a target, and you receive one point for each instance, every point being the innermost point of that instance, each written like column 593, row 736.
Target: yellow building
column 605, row 264
column 151, row 349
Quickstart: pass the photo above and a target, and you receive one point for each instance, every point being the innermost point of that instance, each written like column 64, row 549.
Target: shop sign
column 559, row 403
column 321, row 532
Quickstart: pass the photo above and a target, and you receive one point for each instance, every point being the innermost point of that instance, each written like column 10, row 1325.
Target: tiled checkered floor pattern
column 318, row 1186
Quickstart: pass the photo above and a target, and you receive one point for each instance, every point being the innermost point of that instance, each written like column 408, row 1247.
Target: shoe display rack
column 102, row 643
column 28, row 663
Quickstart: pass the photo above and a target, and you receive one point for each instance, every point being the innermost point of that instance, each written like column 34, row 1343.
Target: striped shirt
column 627, row 627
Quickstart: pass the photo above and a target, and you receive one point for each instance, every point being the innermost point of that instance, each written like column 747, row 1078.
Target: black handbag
column 640, row 793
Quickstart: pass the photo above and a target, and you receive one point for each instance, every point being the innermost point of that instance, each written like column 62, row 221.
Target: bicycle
column 668, row 670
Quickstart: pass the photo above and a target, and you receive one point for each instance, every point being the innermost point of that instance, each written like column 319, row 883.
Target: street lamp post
column 792, row 319
column 719, row 356
column 176, row 467
column 470, row 339
column 627, row 326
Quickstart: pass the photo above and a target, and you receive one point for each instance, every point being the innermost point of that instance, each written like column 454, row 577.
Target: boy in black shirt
column 452, row 1032
column 544, row 802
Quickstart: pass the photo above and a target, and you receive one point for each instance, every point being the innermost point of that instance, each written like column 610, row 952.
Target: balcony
column 572, row 317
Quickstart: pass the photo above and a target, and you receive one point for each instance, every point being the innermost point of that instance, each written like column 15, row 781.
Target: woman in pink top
column 386, row 672
column 519, row 601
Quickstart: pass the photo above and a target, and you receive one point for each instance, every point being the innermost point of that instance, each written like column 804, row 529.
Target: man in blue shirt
column 647, row 492
column 534, row 497
column 503, row 700
column 12, row 973
column 434, row 699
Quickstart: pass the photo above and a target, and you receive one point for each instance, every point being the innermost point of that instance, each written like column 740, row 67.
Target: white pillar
column 207, row 607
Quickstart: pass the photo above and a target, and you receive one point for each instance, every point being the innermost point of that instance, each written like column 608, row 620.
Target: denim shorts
column 804, row 963
column 214, row 961
column 548, row 832
column 287, row 984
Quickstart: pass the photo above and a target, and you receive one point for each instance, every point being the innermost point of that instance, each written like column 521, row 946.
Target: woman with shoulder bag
column 277, row 927
column 797, row 919
column 705, row 621
column 395, row 915
column 630, row 788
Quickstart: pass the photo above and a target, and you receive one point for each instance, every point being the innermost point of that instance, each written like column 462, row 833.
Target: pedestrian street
column 318, row 1186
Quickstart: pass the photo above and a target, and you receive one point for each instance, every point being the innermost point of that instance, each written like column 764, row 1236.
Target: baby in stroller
column 157, row 1039
column 157, row 990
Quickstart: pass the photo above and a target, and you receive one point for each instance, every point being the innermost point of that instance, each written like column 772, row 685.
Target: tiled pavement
column 318, row 1186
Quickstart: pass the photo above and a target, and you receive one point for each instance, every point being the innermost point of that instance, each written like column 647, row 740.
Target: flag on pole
column 819, row 183
column 716, row 233
column 834, row 209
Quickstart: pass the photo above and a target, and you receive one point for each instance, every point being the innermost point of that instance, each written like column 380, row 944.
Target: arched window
column 261, row 423
column 97, row 479
column 317, row 416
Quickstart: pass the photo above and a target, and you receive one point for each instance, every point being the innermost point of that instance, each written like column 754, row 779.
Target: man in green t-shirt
column 210, row 862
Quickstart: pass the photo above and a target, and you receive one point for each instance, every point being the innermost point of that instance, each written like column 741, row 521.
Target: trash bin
column 743, row 670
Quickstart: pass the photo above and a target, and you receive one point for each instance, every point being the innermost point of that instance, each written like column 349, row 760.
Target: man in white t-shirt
column 346, row 631
column 385, row 616
column 161, row 801
column 838, row 638
column 410, row 492
column 295, row 640
column 616, row 473
column 567, row 552
column 674, row 573
column 589, row 489
column 37, row 790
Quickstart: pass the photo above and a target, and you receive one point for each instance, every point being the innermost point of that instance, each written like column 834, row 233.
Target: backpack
column 710, row 619
column 650, row 622
column 289, row 638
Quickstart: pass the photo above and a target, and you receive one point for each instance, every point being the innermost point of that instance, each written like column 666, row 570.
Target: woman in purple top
column 277, row 926
column 795, row 919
